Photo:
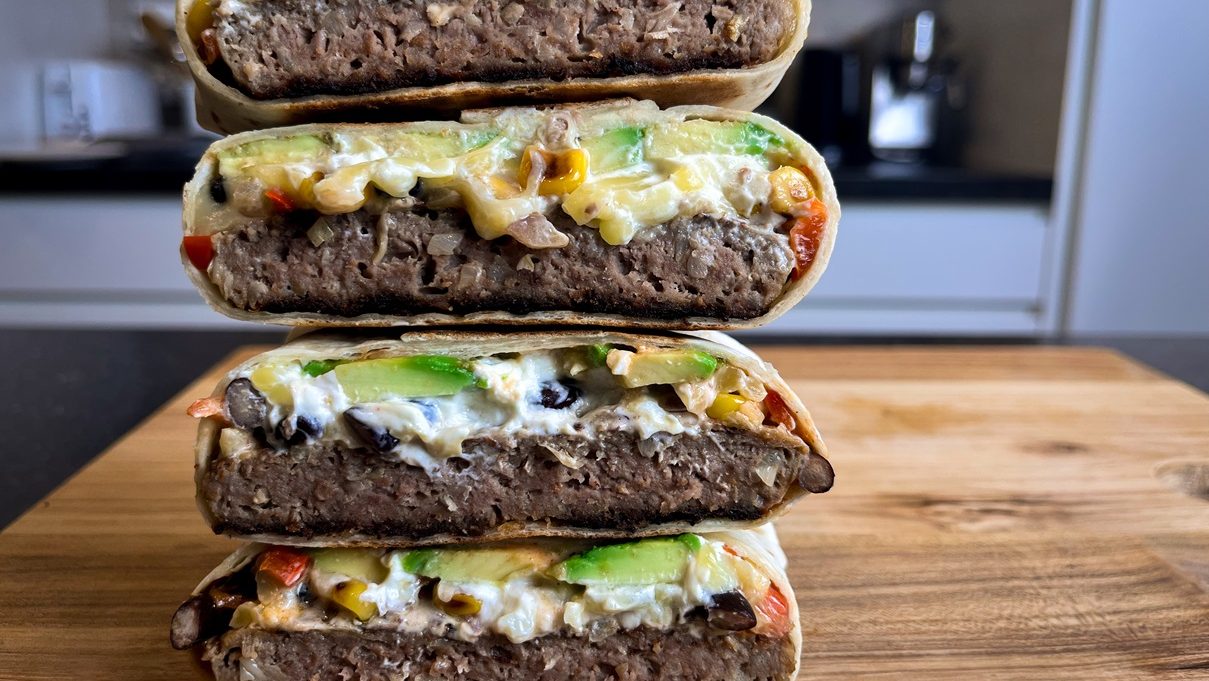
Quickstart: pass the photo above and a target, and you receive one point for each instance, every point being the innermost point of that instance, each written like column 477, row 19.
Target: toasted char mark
column 624, row 484
column 689, row 652
column 291, row 48
column 704, row 266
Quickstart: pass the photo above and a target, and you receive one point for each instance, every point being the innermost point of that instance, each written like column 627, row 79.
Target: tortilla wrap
column 226, row 110
column 804, row 156
column 761, row 546
column 469, row 344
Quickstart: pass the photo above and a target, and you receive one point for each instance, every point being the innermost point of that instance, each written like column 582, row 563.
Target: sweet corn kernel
column 569, row 170
column 565, row 171
column 459, row 605
column 348, row 596
column 790, row 187
column 526, row 166
column 724, row 405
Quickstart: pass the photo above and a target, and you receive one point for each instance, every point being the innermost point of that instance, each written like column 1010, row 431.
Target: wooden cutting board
column 1018, row 513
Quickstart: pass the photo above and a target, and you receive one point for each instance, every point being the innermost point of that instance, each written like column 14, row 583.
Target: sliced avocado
column 597, row 354
column 711, row 137
column 373, row 380
column 646, row 561
column 669, row 367
column 615, row 149
column 292, row 149
column 319, row 367
column 477, row 564
column 362, row 564
column 437, row 144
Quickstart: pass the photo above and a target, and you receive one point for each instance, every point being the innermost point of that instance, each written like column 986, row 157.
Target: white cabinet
column 897, row 268
column 93, row 261
column 930, row 268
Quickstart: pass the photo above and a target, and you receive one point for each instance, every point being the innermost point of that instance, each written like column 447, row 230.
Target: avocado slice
column 732, row 138
column 617, row 148
column 277, row 150
column 646, row 561
column 669, row 367
column 373, row 380
column 362, row 564
column 477, row 564
column 434, row 144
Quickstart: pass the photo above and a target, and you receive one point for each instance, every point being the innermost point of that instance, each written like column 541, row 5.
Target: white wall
column 1141, row 263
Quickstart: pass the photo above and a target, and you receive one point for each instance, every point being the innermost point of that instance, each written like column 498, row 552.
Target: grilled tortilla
column 613, row 214
column 269, row 63
column 450, row 436
column 712, row 606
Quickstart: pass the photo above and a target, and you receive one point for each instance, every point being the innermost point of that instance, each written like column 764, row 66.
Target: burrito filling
column 422, row 409
column 412, row 218
column 515, row 591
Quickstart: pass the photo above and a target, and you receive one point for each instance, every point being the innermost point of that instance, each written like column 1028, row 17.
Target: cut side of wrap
column 691, row 606
column 456, row 436
column 269, row 63
column 610, row 214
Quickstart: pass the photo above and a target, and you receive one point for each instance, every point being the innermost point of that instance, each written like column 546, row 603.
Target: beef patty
column 290, row 48
column 624, row 483
column 684, row 653
column 704, row 266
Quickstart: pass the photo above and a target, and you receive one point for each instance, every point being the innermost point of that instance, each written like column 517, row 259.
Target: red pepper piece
column 280, row 201
column 775, row 609
column 805, row 234
column 205, row 407
column 286, row 566
column 778, row 411
column 199, row 250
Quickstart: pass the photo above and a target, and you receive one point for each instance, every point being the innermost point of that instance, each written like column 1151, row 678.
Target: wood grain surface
column 999, row 513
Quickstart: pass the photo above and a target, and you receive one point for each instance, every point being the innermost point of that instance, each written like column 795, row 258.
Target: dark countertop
column 72, row 393
column 163, row 168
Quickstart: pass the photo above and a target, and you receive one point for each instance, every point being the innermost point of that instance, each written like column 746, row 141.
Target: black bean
column 218, row 190
column 209, row 614
column 377, row 439
column 299, row 429
column 559, row 394
column 817, row 475
column 731, row 611
column 245, row 406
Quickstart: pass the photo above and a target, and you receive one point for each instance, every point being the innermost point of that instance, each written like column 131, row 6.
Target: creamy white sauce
column 430, row 430
column 527, row 607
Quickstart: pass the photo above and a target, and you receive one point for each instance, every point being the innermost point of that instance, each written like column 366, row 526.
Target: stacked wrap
column 566, row 472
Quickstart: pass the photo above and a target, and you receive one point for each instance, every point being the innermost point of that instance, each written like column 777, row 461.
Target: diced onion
column 319, row 232
column 445, row 243
column 525, row 263
column 535, row 231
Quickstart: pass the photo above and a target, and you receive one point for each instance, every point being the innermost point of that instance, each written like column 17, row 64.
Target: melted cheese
column 620, row 203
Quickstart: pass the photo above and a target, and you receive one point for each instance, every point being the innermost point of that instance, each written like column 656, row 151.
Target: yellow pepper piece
column 199, row 18
column 565, row 171
column 790, row 187
column 348, row 596
column 724, row 405
column 272, row 381
column 459, row 605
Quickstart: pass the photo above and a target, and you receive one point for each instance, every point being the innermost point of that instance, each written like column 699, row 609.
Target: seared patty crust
column 623, row 484
column 690, row 652
column 704, row 266
column 293, row 48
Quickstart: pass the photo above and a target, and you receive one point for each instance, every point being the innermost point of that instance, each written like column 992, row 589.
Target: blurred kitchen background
column 1010, row 171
